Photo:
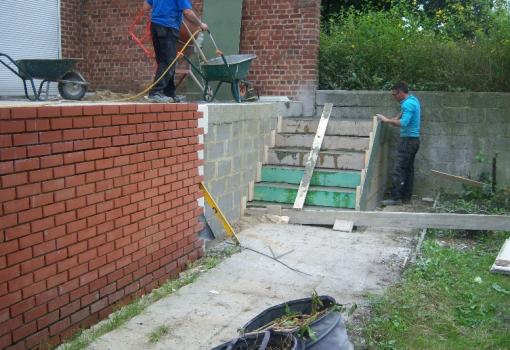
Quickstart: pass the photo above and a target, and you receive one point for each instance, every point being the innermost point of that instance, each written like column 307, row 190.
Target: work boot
column 160, row 98
column 387, row 202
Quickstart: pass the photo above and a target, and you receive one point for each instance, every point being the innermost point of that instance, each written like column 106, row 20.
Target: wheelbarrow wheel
column 239, row 90
column 69, row 90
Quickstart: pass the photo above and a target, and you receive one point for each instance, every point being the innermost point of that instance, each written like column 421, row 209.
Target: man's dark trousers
column 403, row 171
column 164, row 40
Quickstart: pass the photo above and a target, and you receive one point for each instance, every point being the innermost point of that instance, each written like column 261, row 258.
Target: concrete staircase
column 338, row 169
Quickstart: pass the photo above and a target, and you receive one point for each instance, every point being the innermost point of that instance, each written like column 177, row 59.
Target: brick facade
column 283, row 34
column 97, row 204
column 285, row 37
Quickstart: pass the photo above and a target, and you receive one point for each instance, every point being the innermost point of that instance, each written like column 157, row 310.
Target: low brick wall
column 234, row 143
column 98, row 203
column 456, row 127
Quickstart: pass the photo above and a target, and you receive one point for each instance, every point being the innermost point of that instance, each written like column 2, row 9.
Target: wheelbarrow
column 71, row 84
column 232, row 69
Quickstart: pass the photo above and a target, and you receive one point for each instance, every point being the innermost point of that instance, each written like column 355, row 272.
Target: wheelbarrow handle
column 13, row 62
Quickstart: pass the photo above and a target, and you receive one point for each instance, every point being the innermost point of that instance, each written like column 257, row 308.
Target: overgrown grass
column 127, row 312
column 374, row 49
column 448, row 299
column 157, row 333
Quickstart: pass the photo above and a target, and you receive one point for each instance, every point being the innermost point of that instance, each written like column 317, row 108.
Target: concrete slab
column 209, row 311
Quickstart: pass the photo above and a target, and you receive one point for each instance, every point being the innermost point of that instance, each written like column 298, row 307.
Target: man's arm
column 393, row 121
column 193, row 18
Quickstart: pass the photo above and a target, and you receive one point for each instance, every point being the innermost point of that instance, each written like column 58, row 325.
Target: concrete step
column 340, row 159
column 320, row 177
column 317, row 195
column 341, row 127
column 330, row 142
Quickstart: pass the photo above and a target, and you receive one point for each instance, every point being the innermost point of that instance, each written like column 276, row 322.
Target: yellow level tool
column 212, row 203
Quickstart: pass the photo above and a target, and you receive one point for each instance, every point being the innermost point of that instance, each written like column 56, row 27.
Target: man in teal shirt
column 166, row 19
column 408, row 120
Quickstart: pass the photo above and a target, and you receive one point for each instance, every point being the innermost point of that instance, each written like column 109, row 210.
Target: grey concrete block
column 224, row 167
column 224, row 131
column 214, row 150
column 210, row 170
column 226, row 202
column 216, row 187
column 232, row 147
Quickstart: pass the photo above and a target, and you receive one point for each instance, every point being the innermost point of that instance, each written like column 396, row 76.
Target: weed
column 157, row 333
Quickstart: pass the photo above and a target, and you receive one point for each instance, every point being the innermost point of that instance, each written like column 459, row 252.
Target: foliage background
column 442, row 45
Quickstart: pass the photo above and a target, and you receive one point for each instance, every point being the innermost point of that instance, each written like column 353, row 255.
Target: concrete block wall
column 456, row 127
column 98, row 203
column 235, row 142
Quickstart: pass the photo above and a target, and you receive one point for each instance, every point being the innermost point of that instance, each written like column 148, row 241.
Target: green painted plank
column 314, row 197
column 319, row 178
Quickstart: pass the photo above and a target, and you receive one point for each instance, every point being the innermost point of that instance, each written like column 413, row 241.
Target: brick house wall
column 97, row 204
column 284, row 35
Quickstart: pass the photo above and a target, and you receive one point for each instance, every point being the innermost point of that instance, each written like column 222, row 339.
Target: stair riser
column 329, row 142
column 316, row 198
column 347, row 161
column 335, row 127
column 319, row 178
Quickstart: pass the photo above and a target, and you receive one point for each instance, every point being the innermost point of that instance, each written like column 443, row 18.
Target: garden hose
column 179, row 54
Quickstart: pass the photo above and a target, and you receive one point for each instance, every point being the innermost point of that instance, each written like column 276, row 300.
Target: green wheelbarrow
column 232, row 69
column 71, row 84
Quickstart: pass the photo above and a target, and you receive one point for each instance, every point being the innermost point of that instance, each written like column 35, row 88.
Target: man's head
column 400, row 91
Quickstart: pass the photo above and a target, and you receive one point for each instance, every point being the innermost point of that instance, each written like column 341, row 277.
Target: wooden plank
column 398, row 219
column 342, row 225
column 464, row 180
column 312, row 157
column 502, row 263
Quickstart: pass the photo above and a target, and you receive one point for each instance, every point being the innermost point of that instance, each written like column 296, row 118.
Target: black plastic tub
column 262, row 341
column 329, row 329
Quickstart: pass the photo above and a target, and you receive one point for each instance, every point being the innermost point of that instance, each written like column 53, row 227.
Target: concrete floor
column 208, row 312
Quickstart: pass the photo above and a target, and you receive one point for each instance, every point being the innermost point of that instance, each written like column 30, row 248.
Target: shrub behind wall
column 374, row 49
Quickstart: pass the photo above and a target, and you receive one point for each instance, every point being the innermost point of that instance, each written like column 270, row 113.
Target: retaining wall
column 235, row 138
column 98, row 204
column 456, row 128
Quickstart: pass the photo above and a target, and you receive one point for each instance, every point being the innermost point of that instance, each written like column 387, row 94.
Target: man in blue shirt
column 408, row 120
column 166, row 19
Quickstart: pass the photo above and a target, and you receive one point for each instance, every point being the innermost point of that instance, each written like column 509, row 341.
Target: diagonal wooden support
column 312, row 157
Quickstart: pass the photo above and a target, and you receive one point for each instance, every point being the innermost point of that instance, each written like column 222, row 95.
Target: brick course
column 102, row 208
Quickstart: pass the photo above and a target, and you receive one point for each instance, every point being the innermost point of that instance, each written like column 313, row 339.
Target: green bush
column 373, row 49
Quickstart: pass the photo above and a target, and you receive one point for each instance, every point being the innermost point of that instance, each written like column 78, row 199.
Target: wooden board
column 502, row 263
column 342, row 225
column 464, row 180
column 312, row 157
column 396, row 219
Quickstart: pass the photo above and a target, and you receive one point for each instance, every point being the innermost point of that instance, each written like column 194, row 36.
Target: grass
column 85, row 337
column 157, row 333
column 449, row 299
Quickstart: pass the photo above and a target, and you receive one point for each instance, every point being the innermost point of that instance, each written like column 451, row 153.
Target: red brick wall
column 72, row 30
column 97, row 204
column 284, row 35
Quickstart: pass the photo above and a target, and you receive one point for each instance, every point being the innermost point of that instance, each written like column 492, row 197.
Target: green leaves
column 432, row 50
